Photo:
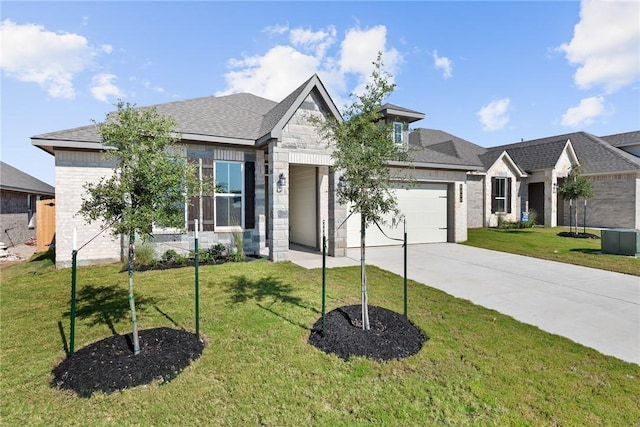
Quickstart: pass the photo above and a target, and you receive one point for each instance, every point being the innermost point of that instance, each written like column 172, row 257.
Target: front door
column 303, row 206
column 536, row 201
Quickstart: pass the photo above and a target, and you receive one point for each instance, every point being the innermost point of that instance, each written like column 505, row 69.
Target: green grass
column 546, row 244
column 478, row 367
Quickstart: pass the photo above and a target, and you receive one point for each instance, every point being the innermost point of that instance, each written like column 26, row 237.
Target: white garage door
column 425, row 209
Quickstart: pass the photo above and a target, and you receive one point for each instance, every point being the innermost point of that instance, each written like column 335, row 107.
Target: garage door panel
column 425, row 208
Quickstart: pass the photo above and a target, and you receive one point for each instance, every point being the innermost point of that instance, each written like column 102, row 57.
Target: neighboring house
column 525, row 176
column 18, row 195
column 279, row 188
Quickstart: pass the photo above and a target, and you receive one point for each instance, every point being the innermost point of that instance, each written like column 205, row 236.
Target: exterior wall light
column 282, row 182
column 340, row 183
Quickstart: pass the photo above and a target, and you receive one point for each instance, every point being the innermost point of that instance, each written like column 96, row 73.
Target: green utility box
column 620, row 241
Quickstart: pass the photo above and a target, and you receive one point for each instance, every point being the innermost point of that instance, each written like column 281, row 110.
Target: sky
column 492, row 73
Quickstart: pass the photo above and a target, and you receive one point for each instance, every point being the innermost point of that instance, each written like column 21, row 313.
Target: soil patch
column 392, row 336
column 578, row 235
column 109, row 365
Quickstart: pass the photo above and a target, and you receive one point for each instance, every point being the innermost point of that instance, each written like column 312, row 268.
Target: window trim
column 395, row 125
column 229, row 228
column 506, row 197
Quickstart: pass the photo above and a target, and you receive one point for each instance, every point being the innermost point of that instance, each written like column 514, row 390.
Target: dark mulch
column 392, row 336
column 170, row 264
column 109, row 365
column 578, row 235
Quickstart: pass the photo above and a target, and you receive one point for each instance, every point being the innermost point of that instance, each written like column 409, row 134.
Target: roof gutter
column 395, row 163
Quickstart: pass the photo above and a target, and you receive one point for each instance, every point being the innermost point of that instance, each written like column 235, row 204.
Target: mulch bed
column 109, row 365
column 392, row 336
column 578, row 235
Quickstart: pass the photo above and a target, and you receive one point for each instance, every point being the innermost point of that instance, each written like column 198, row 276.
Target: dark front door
column 536, row 201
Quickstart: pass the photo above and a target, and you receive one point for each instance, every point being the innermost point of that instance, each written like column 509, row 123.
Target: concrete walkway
column 596, row 308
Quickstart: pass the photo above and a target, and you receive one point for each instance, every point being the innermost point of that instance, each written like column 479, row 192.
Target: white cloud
column 308, row 52
column 494, row 116
column 265, row 75
column 443, row 63
column 605, row 44
column 103, row 88
column 106, row 48
column 316, row 41
column 147, row 84
column 585, row 112
column 30, row 53
column 276, row 29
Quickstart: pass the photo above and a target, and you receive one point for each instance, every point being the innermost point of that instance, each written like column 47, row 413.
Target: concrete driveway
column 596, row 308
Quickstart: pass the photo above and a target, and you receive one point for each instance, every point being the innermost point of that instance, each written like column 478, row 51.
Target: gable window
column 397, row 132
column 229, row 199
column 500, row 195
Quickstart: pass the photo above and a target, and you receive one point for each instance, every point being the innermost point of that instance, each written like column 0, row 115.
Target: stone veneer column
column 278, row 204
column 337, row 215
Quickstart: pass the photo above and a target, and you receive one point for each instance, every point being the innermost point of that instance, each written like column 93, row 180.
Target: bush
column 145, row 254
column 238, row 254
column 171, row 256
column 512, row 225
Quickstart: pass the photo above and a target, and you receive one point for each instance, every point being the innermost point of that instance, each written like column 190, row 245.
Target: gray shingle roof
column 15, row 180
column 594, row 154
column 436, row 146
column 530, row 155
column 623, row 138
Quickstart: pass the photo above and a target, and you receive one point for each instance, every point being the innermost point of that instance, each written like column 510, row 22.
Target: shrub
column 145, row 254
column 171, row 256
column 238, row 254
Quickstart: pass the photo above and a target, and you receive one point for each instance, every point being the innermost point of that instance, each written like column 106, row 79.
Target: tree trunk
column 363, row 278
column 132, row 303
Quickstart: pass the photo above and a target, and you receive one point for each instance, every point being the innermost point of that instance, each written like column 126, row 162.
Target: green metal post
column 72, row 328
column 324, row 274
column 405, row 268
column 197, row 283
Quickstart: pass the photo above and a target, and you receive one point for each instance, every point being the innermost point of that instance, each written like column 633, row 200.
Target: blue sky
column 489, row 72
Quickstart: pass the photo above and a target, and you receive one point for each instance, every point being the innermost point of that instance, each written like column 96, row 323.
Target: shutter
column 494, row 205
column 207, row 200
column 249, row 195
column 507, row 196
column 193, row 207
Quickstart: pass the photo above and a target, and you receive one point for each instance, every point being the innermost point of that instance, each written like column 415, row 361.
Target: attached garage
column 425, row 208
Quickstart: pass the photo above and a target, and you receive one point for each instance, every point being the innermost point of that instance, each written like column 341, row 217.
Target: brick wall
column 615, row 203
column 73, row 170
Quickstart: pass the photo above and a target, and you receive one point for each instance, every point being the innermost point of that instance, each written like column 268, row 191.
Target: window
column 233, row 205
column 229, row 199
column 397, row 132
column 500, row 195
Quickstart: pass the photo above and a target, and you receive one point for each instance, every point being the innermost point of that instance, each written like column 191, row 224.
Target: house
column 280, row 190
column 525, row 176
column 19, row 193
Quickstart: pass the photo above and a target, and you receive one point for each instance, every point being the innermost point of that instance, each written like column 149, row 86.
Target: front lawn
column 546, row 244
column 477, row 366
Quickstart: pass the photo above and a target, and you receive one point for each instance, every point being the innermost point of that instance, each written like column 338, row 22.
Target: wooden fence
column 45, row 224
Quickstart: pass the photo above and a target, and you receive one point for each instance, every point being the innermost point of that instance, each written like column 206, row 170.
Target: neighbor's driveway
column 596, row 308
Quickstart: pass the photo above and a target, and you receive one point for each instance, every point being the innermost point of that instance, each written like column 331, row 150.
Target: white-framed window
column 500, row 195
column 397, row 132
column 229, row 198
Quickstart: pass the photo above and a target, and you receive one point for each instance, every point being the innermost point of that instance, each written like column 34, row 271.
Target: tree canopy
column 151, row 180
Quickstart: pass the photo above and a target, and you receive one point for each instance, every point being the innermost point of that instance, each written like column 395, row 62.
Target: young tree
column 150, row 184
column 362, row 147
column 576, row 186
